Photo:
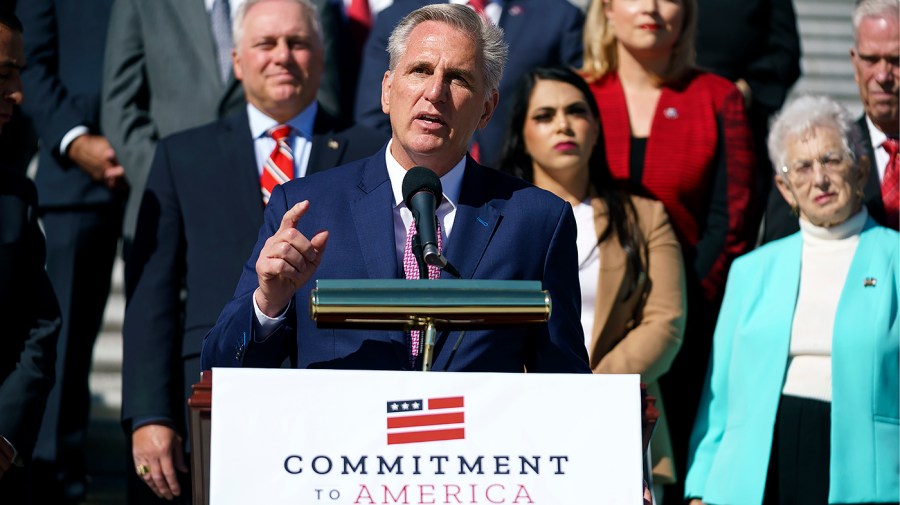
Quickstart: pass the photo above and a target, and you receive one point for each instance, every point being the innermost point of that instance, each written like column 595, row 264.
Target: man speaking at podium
column 351, row 223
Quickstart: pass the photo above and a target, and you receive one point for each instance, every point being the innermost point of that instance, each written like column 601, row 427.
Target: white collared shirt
column 301, row 136
column 881, row 155
column 451, row 183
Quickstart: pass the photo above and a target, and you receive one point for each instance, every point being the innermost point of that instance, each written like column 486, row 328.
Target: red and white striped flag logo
column 430, row 420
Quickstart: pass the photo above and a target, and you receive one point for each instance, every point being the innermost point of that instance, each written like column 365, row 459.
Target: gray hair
column 487, row 36
column 888, row 9
column 237, row 24
column 804, row 114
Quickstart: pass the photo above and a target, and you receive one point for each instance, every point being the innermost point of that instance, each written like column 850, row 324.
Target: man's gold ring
column 143, row 470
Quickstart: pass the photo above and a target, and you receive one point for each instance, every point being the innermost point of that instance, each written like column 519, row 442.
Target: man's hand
column 696, row 502
column 94, row 155
column 158, row 447
column 287, row 261
column 6, row 456
column 745, row 90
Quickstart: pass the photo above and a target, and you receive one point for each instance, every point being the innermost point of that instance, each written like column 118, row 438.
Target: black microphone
column 422, row 194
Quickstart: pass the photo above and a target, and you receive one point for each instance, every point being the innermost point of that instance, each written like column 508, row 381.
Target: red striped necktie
column 279, row 168
column 890, row 184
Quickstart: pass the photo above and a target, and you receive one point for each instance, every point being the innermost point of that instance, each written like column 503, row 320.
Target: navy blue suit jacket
column 64, row 45
column 504, row 229
column 540, row 33
column 200, row 214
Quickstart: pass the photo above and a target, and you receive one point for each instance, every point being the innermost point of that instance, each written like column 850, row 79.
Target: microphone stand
column 426, row 344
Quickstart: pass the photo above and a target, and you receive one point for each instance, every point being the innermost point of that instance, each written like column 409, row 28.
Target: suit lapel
column 374, row 219
column 237, row 177
column 873, row 184
column 327, row 148
column 781, row 296
column 473, row 226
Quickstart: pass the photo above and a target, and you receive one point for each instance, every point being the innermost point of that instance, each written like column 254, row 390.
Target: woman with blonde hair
column 680, row 136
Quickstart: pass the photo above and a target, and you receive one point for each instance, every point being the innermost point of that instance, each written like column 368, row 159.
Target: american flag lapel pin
column 869, row 282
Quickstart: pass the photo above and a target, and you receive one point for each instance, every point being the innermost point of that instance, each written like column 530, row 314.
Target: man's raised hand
column 287, row 261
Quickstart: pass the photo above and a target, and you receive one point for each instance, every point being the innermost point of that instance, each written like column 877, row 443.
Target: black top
column 637, row 153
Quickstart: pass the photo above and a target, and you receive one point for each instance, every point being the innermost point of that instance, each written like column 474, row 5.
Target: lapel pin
column 515, row 10
column 869, row 282
column 482, row 222
column 333, row 144
column 670, row 113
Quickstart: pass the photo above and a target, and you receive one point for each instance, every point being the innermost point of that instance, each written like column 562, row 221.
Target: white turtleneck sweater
column 825, row 261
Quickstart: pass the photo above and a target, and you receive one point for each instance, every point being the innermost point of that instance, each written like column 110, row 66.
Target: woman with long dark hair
column 630, row 265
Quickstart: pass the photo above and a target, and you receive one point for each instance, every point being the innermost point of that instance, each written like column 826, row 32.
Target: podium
column 409, row 304
column 200, row 421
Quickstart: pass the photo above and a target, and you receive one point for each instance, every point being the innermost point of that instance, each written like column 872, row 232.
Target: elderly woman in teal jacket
column 801, row 400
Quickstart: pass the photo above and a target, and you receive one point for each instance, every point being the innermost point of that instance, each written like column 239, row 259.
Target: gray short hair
column 888, row 9
column 237, row 24
column 487, row 36
column 805, row 113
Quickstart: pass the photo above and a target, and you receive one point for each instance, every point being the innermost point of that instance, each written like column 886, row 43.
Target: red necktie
column 478, row 6
column 890, row 184
column 279, row 168
column 359, row 17
column 411, row 271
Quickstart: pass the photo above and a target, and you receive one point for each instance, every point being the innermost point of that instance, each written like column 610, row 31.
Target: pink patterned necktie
column 411, row 271
column 890, row 184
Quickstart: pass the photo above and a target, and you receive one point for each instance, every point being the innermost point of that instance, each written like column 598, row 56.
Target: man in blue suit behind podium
column 351, row 223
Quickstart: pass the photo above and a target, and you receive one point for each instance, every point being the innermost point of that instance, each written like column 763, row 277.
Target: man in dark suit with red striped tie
column 199, row 218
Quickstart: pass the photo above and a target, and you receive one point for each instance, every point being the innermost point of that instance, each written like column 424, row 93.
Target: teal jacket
column 732, row 437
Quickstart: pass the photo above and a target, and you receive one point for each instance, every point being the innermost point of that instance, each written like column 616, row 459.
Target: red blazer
column 699, row 163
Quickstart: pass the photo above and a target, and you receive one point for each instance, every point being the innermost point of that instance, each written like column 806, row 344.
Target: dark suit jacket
column 200, row 215
column 779, row 222
column 539, row 33
column 504, row 229
column 30, row 314
column 754, row 40
column 64, row 44
column 160, row 76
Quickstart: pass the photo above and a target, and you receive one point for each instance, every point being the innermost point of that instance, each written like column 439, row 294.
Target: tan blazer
column 641, row 332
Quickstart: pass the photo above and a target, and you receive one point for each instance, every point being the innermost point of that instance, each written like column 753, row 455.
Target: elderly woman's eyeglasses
column 802, row 171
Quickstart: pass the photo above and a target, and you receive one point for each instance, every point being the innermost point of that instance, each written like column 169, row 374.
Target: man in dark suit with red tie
column 875, row 55
column 350, row 223
column 199, row 218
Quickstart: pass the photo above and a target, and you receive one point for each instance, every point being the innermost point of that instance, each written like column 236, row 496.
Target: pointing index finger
column 293, row 215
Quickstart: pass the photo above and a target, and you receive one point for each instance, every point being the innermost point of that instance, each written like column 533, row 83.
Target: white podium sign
column 310, row 437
